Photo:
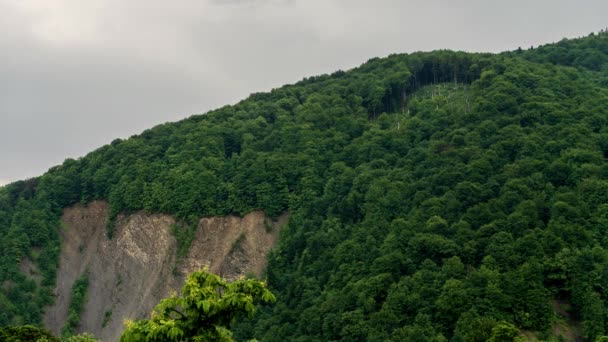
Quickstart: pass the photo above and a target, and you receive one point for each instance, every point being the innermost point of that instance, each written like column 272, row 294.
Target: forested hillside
column 432, row 196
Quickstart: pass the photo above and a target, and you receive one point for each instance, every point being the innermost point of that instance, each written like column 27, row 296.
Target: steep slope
column 129, row 274
column 441, row 195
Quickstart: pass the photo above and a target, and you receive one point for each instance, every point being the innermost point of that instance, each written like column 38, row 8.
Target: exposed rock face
column 129, row 274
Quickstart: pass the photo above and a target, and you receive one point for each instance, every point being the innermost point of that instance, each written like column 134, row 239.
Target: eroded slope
column 129, row 274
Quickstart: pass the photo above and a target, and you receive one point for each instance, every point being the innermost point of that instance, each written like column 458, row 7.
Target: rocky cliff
column 130, row 273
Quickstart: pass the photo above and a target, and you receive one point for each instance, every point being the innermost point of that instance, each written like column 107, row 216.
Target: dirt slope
column 129, row 274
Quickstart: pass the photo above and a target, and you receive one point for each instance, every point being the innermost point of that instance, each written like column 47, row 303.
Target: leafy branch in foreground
column 204, row 310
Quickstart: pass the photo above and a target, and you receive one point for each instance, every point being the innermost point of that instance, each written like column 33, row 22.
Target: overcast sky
column 76, row 74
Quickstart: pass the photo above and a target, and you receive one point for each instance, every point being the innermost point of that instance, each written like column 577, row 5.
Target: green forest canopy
column 441, row 194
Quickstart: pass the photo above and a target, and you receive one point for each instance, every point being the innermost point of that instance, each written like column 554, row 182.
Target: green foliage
column 26, row 333
column 238, row 243
column 79, row 298
column 107, row 315
column 81, row 338
column 184, row 235
column 505, row 332
column 440, row 194
column 203, row 312
column 32, row 333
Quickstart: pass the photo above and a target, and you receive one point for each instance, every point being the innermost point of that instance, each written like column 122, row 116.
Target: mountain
column 431, row 196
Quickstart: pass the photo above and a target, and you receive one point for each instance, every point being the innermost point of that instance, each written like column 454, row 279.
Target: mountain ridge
column 480, row 174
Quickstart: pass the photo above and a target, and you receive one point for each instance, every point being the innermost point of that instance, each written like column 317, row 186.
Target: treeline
column 590, row 52
column 445, row 195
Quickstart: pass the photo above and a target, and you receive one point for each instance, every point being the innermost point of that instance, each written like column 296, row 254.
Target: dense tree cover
column 26, row 333
column 203, row 312
column 28, row 230
column 30, row 333
column 433, row 196
column 589, row 53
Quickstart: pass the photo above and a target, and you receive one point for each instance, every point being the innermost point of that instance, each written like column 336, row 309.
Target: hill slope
column 432, row 194
column 131, row 273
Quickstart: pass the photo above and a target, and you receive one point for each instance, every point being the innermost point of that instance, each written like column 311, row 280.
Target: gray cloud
column 76, row 74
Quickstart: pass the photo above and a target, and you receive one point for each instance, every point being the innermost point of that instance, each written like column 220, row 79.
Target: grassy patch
column 237, row 244
column 107, row 315
column 79, row 298
column 184, row 235
column 267, row 225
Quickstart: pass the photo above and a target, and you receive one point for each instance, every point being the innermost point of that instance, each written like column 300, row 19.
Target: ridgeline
column 431, row 196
